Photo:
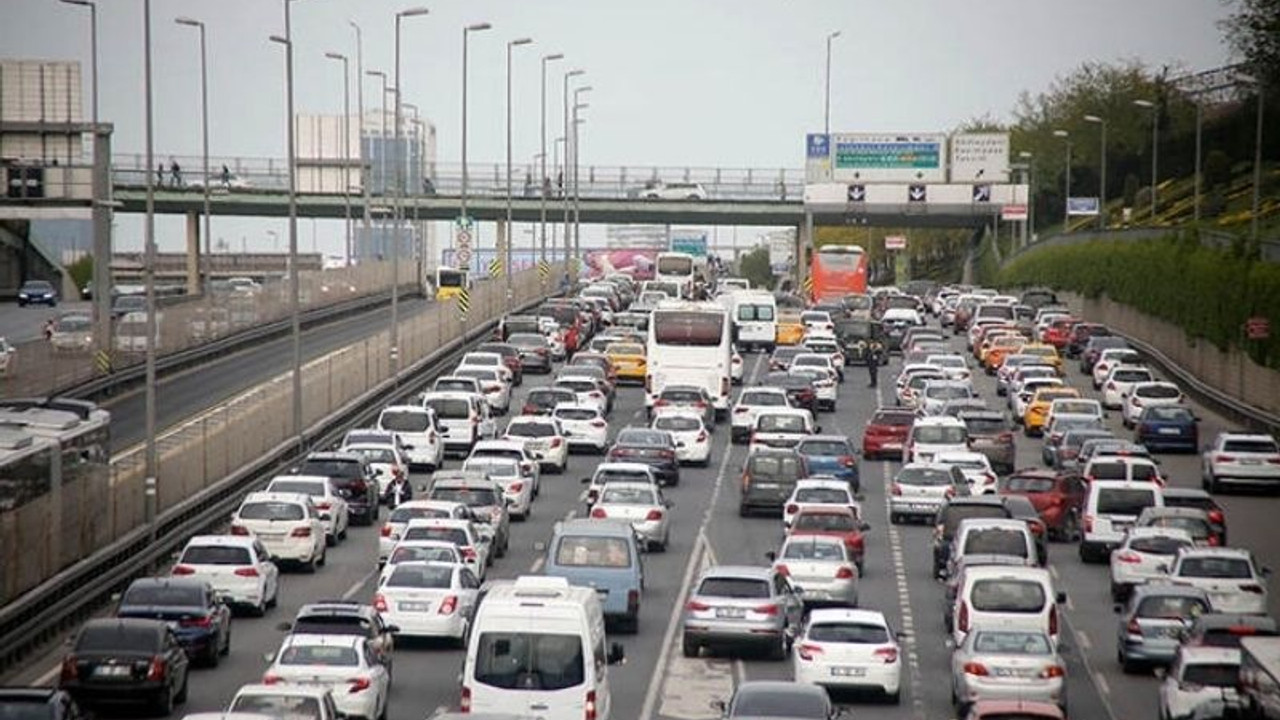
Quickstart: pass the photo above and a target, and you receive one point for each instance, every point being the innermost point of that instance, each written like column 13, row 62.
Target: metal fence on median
column 196, row 455
column 44, row 367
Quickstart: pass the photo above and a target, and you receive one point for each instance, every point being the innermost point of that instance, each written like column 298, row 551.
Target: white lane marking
column 355, row 588
column 46, row 680
column 569, row 515
column 1101, row 681
column 664, row 667
column 1082, row 639
column 536, row 567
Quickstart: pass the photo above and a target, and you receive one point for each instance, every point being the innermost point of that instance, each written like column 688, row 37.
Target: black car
column 768, row 478
column 351, row 477
column 346, row 617
column 654, row 448
column 800, row 390
column 37, row 292
column 38, row 703
column 126, row 660
column 948, row 520
column 541, row 401
column 200, row 620
column 855, row 336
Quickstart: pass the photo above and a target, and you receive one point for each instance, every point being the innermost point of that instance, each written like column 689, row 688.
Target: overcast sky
column 733, row 83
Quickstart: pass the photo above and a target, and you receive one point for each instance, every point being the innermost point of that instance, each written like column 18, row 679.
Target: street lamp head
column 584, row 88
column 581, row 106
column 552, row 56
column 336, row 56
column 1144, row 103
column 83, row 3
column 376, row 73
column 520, row 41
column 477, row 27
column 279, row 39
column 833, row 35
column 1061, row 133
column 188, row 21
column 413, row 12
column 1093, row 119
column 574, row 73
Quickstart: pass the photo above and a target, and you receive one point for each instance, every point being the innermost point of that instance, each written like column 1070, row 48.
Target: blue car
column 831, row 455
column 37, row 292
column 200, row 619
column 604, row 555
column 1168, row 428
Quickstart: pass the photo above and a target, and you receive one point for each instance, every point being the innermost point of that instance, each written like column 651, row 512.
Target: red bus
column 837, row 271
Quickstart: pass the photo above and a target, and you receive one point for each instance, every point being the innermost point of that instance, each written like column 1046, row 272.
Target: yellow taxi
column 1033, row 422
column 628, row 360
column 790, row 329
column 1048, row 354
column 997, row 348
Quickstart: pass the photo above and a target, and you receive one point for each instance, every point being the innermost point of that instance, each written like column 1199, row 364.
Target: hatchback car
column 692, row 436
column 346, row 618
column 752, row 401
column 238, row 568
column 918, row 490
column 287, row 524
column 817, row 492
column 603, row 555
column 1143, row 556
column 1241, row 458
column 831, row 455
column 428, row 599
column 1151, row 625
column 736, row 606
column 849, row 649
column 1199, row 675
column 360, row 685
column 949, row 517
column 1167, row 428
column 1234, row 582
column 774, row 698
column 352, row 478
column 885, row 434
column 642, row 505
column 1057, row 496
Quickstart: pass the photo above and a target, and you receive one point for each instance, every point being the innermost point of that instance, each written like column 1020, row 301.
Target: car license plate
column 111, row 671
column 413, row 606
column 848, row 672
column 1170, row 632
column 1169, row 431
column 766, row 485
column 730, row 613
column 1249, row 461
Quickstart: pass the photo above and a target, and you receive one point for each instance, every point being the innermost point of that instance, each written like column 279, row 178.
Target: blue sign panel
column 1082, row 206
column 818, row 145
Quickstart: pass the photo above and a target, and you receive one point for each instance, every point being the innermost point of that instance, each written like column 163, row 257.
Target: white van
column 538, row 647
column 463, row 418
column 418, row 429
column 1005, row 597
column 1110, row 509
column 755, row 318
column 930, row 436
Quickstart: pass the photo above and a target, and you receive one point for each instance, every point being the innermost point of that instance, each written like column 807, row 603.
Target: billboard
column 782, row 250
column 868, row 157
column 1082, row 206
column 895, row 242
column 639, row 264
column 692, row 242
column 817, row 158
column 980, row 156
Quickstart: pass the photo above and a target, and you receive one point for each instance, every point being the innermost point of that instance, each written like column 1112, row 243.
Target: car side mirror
column 817, row 429
column 864, row 526
column 719, row 705
column 1163, row 568
column 1265, row 571
column 616, row 654
column 771, row 556
column 269, row 657
column 422, row 487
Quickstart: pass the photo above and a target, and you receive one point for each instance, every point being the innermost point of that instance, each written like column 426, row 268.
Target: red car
column 570, row 323
column 1059, row 333
column 841, row 522
column 886, row 433
column 1058, row 497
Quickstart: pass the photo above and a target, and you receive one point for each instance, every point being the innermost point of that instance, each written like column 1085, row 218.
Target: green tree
column 754, row 266
column 81, row 271
column 1217, row 169
column 1253, row 32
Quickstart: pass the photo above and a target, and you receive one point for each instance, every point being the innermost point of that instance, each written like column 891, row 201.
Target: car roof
column 1219, row 552
column 324, row 639
column 939, row 420
column 169, row 582
column 264, row 496
column 589, row 526
column 1168, row 589
column 336, row 607
column 315, row 691
column 1020, row 572
column 848, row 614
column 624, row 467
column 1004, row 523
column 825, row 438
column 338, row 454
column 832, row 484
column 1157, row 531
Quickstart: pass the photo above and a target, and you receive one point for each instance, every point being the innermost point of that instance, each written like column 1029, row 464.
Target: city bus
column 676, row 267
column 689, row 343
column 34, row 429
column 837, row 271
column 450, row 282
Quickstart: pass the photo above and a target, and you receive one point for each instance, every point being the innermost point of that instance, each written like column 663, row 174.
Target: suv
column 1241, row 458
column 351, row 477
column 750, row 402
column 990, row 435
column 742, row 605
column 930, row 436
column 1058, row 497
column 344, row 617
column 768, row 478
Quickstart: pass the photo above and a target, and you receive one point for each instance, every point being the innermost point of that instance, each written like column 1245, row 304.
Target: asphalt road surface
column 656, row 681
column 18, row 324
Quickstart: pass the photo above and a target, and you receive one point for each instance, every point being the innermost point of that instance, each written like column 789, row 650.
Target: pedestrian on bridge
column 176, row 172
column 160, row 174
column 226, row 177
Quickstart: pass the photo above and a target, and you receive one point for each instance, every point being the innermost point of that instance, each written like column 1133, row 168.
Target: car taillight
column 469, row 554
column 848, row 461
column 1224, row 458
column 182, row 570
column 204, row 622
column 1053, row 671
column 247, row 572
column 887, row 655
column 301, row 532
column 239, row 530
column 771, row 609
column 808, row 651
column 949, row 492
column 895, row 489
column 270, row 679
column 156, row 670
column 975, row 668
column 792, row 509
column 844, row 573
column 1088, row 523
column 695, row 606
column 448, row 605
column 386, row 530
column 599, row 513
column 1128, row 557
column 589, row 707
column 1053, row 619
column 660, row 403
column 1133, row 627
column 380, row 602
column 557, row 442
column 783, row 570
column 962, row 617
column 1216, row 516
column 464, row 701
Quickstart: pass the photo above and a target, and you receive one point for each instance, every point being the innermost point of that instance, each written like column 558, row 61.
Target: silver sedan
column 640, row 504
column 822, row 567
column 1007, row 665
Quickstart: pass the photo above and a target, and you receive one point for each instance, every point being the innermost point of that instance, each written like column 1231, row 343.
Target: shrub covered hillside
column 1206, row 291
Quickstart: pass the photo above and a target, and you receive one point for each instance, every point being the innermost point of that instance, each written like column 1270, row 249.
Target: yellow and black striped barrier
column 464, row 303
column 544, row 270
column 495, row 268
column 102, row 359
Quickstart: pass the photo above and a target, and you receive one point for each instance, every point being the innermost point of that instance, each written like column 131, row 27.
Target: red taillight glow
column 887, row 655
column 301, row 532
column 386, row 530
column 270, row 679
column 808, row 651
column 975, row 668
column 247, row 572
column 239, row 530
column 765, row 609
column 1053, row 671
column 845, row 573
column 1128, row 557
column 204, row 622
column 182, row 570
column 695, row 606
column 469, row 554
column 156, row 670
column 589, row 707
column 70, row 671
column 448, row 605
column 464, row 702
column 380, row 603
column 783, row 570
column 557, row 442
column 599, row 513
column 895, row 489
column 653, row 515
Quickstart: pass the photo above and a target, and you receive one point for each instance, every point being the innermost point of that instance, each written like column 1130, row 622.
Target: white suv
column 288, row 525
column 1110, row 510
column 930, row 436
column 742, row 419
column 332, row 506
column 1234, row 582
column 1241, row 458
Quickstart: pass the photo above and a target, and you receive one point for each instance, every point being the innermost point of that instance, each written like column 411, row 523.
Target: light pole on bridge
column 1102, row 179
column 204, row 132
column 398, row 220
column 826, row 105
column 562, row 179
column 544, row 181
column 346, row 143
column 507, row 239
column 466, row 33
column 1066, row 181
column 1155, row 144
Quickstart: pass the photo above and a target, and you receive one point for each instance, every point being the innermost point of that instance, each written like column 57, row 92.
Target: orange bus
column 837, row 271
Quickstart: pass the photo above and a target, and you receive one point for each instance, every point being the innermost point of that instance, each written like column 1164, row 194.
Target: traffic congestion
column 687, row 498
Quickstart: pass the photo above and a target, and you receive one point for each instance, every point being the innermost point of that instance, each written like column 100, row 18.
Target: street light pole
column 466, row 32
column 1155, row 148
column 564, row 195
column 399, row 202
column 1102, row 183
column 346, row 143
column 93, row 51
column 364, row 175
column 544, row 182
column 1066, row 180
column 382, row 131
column 1257, row 167
column 294, row 295
column 577, row 188
column 150, row 498
column 826, row 105
column 511, row 45
column 1028, row 225
column 204, row 132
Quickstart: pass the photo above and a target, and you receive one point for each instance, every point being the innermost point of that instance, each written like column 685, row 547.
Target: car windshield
column 681, row 396
column 1168, row 413
column 577, row 413
column 457, row 536
column 529, row 660
column 457, row 383
column 1171, row 607
column 677, row 423
column 781, row 423
column 763, row 399
column 623, row 495
column 1023, row 484
column 730, row 587
column 527, row 340
column 588, row 551
column 1124, row 501
column 822, row 496
column 615, row 475
column 898, row 419
column 303, row 487
column 531, row 429
column 1224, row 675
column 380, row 455
column 812, row 549
column 405, row 514
column 825, row 522
column 995, row 541
column 471, row 497
column 773, row 466
column 941, row 435
column 215, row 555
column 984, row 425
column 849, row 632
column 326, row 655
column 330, row 468
column 1007, row 595
column 1158, row 544
column 1011, row 643
column 1222, row 568
column 424, row 553
column 421, row 576
column 632, row 438
column 271, row 511
column 923, row 477
column 285, row 707
column 798, row 705
column 450, row 408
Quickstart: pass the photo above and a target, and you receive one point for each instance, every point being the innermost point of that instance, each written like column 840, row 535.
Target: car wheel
column 894, row 698
column 689, row 647
column 1210, row 482
column 779, row 651
column 212, row 654
column 163, row 703
column 226, row 647
column 330, row 540
column 181, row 696
column 309, row 566
column 324, row 557
column 895, row 519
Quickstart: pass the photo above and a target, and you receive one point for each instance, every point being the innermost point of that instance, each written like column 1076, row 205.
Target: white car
column 543, row 437
column 1024, row 392
column 491, row 360
column 975, row 466
column 737, row 368
column 659, row 190
column 919, row 490
column 236, row 567
column 819, row 361
column 781, row 428
column 474, row 545
column 1200, row 675
column 1145, row 554
column 587, row 389
column 419, row 432
column 345, row 664
column 517, row 487
column 817, row 320
column 937, row 393
column 464, row 417
column 1234, row 582
column 428, row 599
column 1241, row 458
column 333, row 508
column 753, row 401
column 392, row 531
column 1120, row 381
column 420, row 551
column 843, row 649
column 530, row 468
column 1148, row 394
column 385, row 460
column 816, row 492
column 640, row 504
column 955, row 367
column 1110, row 358
column 693, row 440
column 493, row 386
column 288, row 525
column 584, row 426
column 456, row 383
column 8, row 358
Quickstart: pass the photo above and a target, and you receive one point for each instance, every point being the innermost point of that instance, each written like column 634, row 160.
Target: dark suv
column 768, row 478
column 345, row 617
column 352, row 477
column 126, row 660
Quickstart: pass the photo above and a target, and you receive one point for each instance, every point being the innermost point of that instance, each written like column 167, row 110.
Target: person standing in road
column 874, row 356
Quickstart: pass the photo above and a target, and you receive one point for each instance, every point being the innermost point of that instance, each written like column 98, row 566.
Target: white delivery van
column 538, row 648
column 755, row 319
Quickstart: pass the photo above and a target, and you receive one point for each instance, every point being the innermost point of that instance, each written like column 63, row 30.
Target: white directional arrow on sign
column 916, row 193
